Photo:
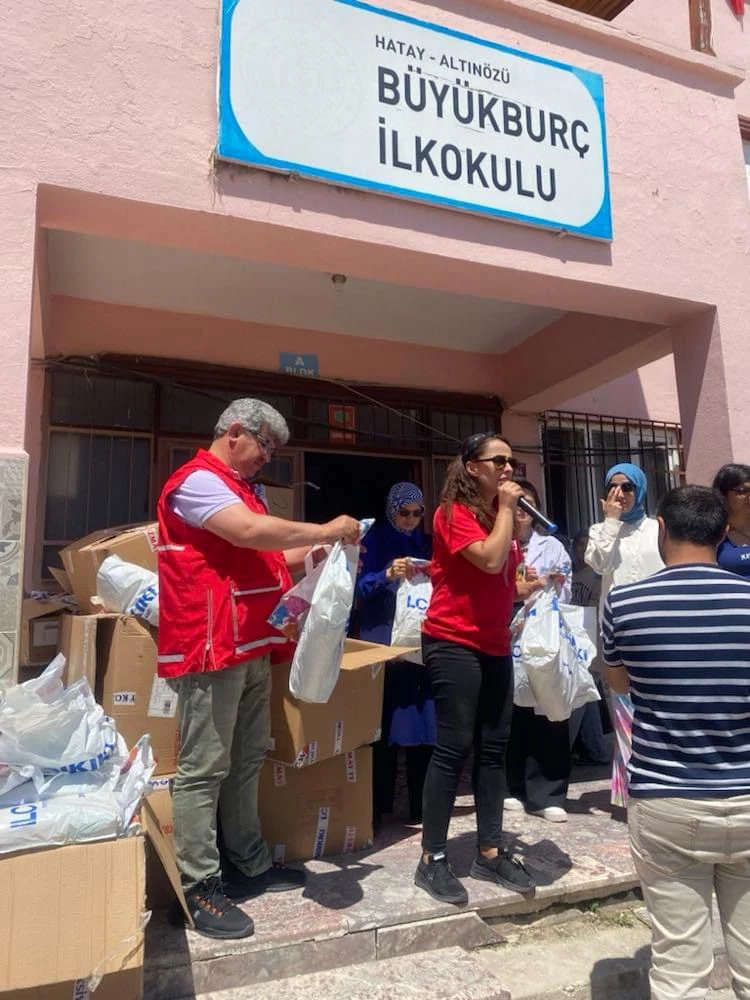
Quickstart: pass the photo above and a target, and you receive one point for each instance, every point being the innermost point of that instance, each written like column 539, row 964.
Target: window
column 87, row 399
column 184, row 411
column 116, row 434
column 450, row 428
column 578, row 450
column 95, row 479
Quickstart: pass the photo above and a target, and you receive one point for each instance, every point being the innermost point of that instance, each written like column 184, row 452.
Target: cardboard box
column 82, row 559
column 316, row 811
column 78, row 634
column 128, row 688
column 117, row 654
column 163, row 849
column 40, row 631
column 127, row 985
column 160, row 893
column 303, row 734
column 70, row 911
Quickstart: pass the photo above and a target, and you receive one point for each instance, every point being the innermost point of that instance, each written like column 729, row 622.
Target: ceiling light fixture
column 338, row 279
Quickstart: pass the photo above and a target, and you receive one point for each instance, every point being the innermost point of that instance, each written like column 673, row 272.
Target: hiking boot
column 436, row 877
column 504, row 870
column 277, row 878
column 213, row 914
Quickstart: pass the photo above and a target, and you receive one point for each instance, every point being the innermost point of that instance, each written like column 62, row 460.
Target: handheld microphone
column 537, row 515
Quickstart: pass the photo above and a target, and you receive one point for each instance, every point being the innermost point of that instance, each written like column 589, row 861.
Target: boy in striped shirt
column 679, row 643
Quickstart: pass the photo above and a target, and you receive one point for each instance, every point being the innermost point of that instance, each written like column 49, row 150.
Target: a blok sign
column 299, row 364
column 343, row 92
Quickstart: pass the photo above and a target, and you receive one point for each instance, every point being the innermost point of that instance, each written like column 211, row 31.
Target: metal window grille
column 577, row 450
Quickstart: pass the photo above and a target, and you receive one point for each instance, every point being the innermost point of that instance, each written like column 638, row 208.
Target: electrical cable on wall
column 95, row 365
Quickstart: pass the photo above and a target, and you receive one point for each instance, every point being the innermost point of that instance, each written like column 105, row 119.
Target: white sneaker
column 553, row 814
column 513, row 805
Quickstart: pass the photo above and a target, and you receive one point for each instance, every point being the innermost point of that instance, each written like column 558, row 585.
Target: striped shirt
column 683, row 635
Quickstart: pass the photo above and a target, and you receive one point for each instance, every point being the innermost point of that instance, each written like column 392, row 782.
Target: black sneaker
column 505, row 870
column 436, row 877
column 213, row 914
column 277, row 878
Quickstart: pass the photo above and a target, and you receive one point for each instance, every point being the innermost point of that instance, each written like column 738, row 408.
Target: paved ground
column 365, row 906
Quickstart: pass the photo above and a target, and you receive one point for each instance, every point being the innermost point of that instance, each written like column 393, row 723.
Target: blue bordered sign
column 344, row 92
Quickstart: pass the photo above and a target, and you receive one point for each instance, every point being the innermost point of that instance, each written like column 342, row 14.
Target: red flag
column 738, row 6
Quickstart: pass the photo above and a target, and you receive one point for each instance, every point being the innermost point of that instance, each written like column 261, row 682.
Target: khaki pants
column 225, row 725
column 684, row 851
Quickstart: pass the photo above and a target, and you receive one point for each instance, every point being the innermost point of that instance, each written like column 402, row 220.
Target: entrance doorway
column 353, row 484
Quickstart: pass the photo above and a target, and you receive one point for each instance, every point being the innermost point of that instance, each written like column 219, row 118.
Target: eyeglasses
column 499, row 461
column 623, row 487
column 265, row 445
column 411, row 513
column 741, row 491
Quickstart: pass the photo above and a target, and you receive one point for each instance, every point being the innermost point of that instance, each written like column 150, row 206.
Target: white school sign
column 344, row 92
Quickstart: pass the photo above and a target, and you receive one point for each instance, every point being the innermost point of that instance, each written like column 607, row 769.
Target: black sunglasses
column 624, row 487
column 474, row 443
column 411, row 513
column 499, row 461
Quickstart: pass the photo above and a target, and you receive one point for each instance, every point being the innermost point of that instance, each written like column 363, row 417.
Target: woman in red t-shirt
column 466, row 646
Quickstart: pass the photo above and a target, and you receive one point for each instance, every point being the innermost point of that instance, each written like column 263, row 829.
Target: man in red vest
column 223, row 565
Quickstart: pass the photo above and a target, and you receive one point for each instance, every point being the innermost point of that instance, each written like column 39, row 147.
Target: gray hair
column 253, row 414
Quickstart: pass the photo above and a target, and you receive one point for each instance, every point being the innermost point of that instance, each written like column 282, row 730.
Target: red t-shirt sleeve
column 462, row 529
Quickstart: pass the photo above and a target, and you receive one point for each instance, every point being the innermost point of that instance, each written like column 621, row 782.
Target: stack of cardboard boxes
column 315, row 794
column 316, row 786
column 74, row 914
column 117, row 653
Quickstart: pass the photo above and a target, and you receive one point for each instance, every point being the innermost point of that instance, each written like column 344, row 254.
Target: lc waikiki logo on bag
column 412, row 600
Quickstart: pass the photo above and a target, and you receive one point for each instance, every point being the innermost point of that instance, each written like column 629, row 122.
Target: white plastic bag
column 555, row 652
column 129, row 589
column 412, row 600
column 523, row 696
column 317, row 658
column 76, row 807
column 49, row 728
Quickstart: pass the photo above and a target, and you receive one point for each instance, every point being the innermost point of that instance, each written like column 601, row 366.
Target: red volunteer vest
column 214, row 597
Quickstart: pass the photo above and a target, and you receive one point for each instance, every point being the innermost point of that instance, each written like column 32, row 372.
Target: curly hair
column 461, row 487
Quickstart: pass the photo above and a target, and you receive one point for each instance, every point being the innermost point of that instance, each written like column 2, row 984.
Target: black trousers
column 384, row 772
column 473, row 695
column 538, row 760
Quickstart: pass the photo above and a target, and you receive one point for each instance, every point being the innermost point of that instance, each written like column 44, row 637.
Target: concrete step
column 444, row 974
column 180, row 964
column 364, row 907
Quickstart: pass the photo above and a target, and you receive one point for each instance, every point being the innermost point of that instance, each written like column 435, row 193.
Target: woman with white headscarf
column 408, row 712
column 623, row 548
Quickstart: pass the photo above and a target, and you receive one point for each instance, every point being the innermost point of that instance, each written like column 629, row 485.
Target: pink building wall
column 650, row 393
column 111, row 111
column 664, row 21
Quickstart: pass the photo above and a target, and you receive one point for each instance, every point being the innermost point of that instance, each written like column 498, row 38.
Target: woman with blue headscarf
column 393, row 544
column 623, row 548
